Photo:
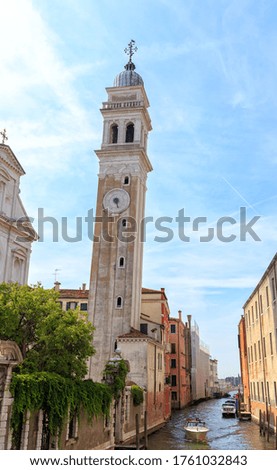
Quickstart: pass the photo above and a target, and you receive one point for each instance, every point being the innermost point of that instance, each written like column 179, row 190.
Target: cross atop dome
column 129, row 77
column 131, row 49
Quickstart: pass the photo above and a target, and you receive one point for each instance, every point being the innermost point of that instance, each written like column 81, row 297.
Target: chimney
column 180, row 314
column 84, row 286
column 57, row 286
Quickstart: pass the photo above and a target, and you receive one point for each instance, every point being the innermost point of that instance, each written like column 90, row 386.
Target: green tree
column 50, row 339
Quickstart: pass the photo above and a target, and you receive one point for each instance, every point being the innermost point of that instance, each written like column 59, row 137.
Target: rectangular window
column 172, row 328
column 174, row 396
column 256, row 308
column 160, row 362
column 173, row 363
column 254, row 390
column 259, row 349
column 173, row 348
column 268, row 394
column 261, row 303
column 73, row 427
column 144, row 328
column 249, row 319
column 267, row 296
column 251, row 353
column 173, row 381
column 258, row 391
column 255, row 352
column 271, row 345
column 252, row 313
column 273, row 289
column 275, row 394
column 262, row 390
column 84, row 306
column 71, row 305
column 264, row 347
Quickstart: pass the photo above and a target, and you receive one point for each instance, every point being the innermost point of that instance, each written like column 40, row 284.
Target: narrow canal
column 224, row 433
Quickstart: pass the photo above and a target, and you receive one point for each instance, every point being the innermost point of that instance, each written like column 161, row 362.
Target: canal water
column 223, row 434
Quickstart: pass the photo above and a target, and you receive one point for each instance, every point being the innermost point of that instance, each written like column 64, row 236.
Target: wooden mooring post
column 260, row 421
column 145, row 431
column 137, row 431
column 276, row 433
column 268, row 421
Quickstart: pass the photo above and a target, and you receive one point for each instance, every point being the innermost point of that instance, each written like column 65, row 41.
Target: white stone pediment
column 9, row 159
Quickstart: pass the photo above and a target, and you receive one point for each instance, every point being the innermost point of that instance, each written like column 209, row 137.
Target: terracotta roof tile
column 134, row 334
column 73, row 294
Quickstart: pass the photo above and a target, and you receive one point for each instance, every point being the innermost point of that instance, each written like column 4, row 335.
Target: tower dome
column 129, row 77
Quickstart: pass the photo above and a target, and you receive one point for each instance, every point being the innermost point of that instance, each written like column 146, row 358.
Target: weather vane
column 131, row 49
column 4, row 136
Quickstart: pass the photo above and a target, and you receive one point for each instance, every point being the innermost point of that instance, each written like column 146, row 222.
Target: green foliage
column 55, row 346
column 56, row 396
column 115, row 374
column 22, row 309
column 137, row 394
column 50, row 339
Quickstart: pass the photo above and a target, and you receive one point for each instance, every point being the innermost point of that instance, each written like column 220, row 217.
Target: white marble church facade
column 16, row 232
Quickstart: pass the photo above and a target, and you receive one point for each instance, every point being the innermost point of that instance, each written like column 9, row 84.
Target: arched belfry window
column 119, row 302
column 121, row 262
column 130, row 130
column 126, row 180
column 114, row 133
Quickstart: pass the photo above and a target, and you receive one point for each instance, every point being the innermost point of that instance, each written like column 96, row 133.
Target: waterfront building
column 180, row 361
column 16, row 231
column 244, row 388
column 154, row 320
column 213, row 378
column 200, row 365
column 258, row 344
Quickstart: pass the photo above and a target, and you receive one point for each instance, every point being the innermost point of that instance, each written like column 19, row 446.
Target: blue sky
column 210, row 73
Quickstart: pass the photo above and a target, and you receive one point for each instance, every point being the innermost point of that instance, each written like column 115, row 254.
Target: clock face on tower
column 116, row 200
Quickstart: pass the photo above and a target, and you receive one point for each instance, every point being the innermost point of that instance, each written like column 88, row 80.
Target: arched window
column 130, row 133
column 124, row 223
column 119, row 302
column 126, row 180
column 114, row 133
column 121, row 262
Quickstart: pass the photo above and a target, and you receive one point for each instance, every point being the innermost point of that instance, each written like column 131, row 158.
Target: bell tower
column 116, row 269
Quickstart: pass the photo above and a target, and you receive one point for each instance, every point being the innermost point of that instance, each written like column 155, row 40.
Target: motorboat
column 229, row 409
column 196, row 429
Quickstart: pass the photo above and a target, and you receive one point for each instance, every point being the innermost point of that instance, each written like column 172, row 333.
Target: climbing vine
column 115, row 374
column 137, row 394
column 56, row 395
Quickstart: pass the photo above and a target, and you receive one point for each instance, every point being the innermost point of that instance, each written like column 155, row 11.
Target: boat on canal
column 196, row 429
column 229, row 409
